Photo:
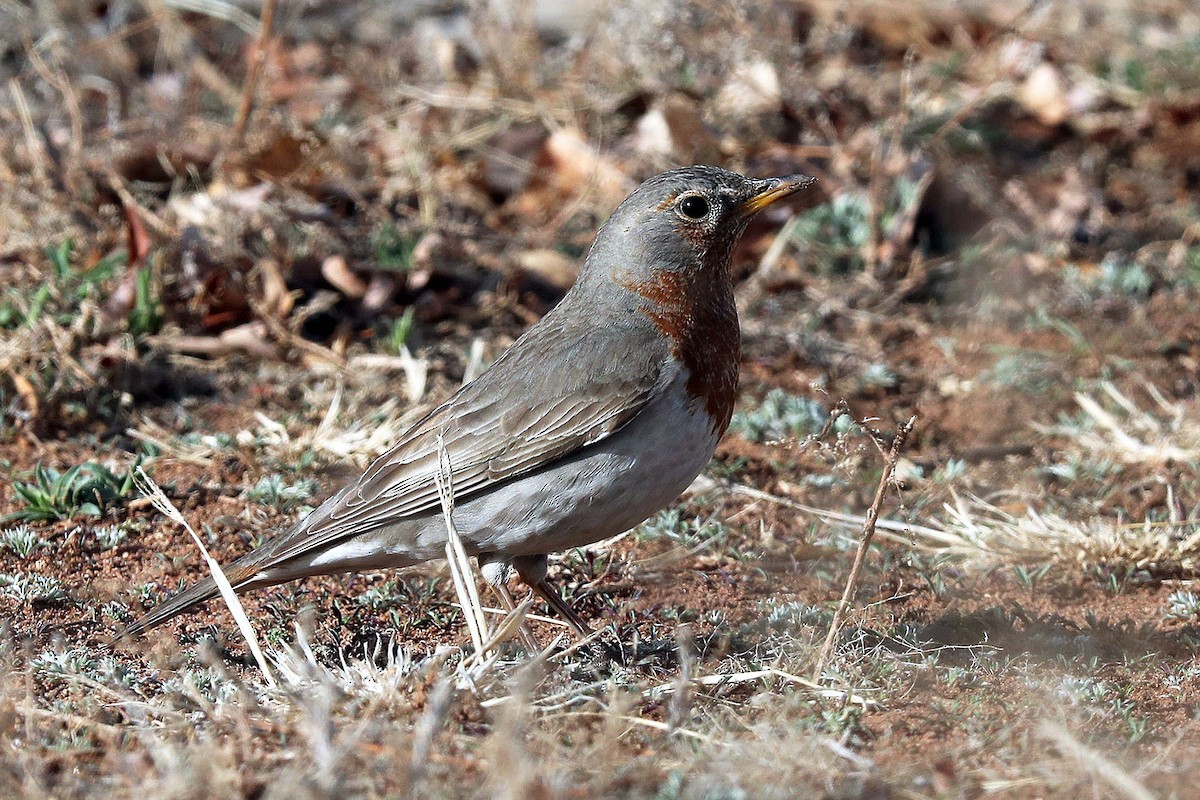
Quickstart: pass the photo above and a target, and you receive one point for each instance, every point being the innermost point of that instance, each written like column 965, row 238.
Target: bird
column 595, row 418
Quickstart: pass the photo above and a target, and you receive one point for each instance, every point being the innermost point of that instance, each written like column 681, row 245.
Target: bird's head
column 685, row 221
column 664, row 254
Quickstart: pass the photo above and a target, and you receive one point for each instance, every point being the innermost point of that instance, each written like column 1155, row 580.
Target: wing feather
column 554, row 391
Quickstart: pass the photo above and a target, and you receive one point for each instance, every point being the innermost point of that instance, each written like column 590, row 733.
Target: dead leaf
column 26, row 391
column 752, row 90
column 379, row 291
column 569, row 166
column 276, row 295
column 674, row 128
column 550, row 267
column 338, row 272
column 249, row 338
column 138, row 239
column 1044, row 95
column 122, row 299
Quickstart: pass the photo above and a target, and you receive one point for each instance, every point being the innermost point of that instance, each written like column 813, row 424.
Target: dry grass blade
column 664, row 689
column 218, row 9
column 976, row 531
column 645, row 723
column 360, row 441
column 500, row 612
column 456, row 555
column 1099, row 766
column 416, row 370
column 37, row 153
column 1133, row 435
column 251, row 86
column 160, row 501
column 509, row 626
column 436, row 711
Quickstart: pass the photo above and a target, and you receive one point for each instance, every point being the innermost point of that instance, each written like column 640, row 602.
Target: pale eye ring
column 693, row 206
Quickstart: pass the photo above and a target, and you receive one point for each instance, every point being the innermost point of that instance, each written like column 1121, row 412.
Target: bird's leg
column 532, row 570
column 495, row 570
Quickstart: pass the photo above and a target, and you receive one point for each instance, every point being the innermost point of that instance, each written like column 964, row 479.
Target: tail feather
column 186, row 600
column 240, row 577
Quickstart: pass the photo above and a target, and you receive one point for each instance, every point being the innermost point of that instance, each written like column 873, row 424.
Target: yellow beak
column 772, row 189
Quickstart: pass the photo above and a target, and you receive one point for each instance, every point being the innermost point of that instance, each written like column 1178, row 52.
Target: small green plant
column 388, row 595
column 1030, row 577
column 842, row 722
column 207, row 682
column 109, row 536
column 272, row 490
column 949, row 472
column 393, row 250
column 396, row 338
column 83, row 490
column 879, row 376
column 11, row 315
column 1117, row 276
column 1183, row 605
column 1191, row 266
column 1082, row 466
column 21, row 540
column 146, row 316
column 33, row 587
column 1157, row 71
column 66, row 288
column 839, row 232
column 1026, row 370
column 73, row 661
column 781, row 416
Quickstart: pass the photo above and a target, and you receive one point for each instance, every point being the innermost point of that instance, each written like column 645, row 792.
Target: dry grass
column 976, row 531
column 1128, row 433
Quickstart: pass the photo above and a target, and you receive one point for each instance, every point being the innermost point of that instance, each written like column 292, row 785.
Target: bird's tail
column 240, row 577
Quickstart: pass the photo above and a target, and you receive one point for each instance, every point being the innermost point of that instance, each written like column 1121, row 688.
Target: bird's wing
column 549, row 395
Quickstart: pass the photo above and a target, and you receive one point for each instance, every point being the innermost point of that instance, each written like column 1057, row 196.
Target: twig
column 860, row 556
column 62, row 84
column 250, row 88
column 37, row 154
column 163, row 504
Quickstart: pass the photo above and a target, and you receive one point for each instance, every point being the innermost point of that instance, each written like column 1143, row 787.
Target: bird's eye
column 693, row 207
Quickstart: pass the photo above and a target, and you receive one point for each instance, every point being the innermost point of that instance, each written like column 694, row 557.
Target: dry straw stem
column 975, row 531
column 160, row 501
column 1104, row 770
column 456, row 555
column 37, row 154
column 662, row 690
column 359, row 442
column 219, row 9
column 1135, row 436
column 889, row 466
